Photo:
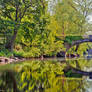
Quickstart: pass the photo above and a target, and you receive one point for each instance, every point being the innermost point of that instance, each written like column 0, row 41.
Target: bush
column 6, row 53
column 18, row 53
column 32, row 52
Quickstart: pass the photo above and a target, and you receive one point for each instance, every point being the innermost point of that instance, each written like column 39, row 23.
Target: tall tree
column 68, row 17
column 84, row 7
column 15, row 11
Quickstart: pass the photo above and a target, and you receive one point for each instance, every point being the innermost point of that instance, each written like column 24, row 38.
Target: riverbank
column 7, row 60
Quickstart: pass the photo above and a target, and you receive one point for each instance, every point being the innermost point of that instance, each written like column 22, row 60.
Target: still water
column 84, row 65
column 46, row 76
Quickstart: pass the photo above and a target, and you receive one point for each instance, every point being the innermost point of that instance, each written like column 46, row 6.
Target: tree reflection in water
column 46, row 77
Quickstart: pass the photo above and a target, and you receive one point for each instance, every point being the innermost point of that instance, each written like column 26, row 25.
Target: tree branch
column 25, row 9
column 72, row 6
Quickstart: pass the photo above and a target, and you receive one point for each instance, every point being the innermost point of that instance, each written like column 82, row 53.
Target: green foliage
column 82, row 48
column 69, row 39
column 6, row 53
column 13, row 13
column 18, row 53
column 31, row 52
column 68, row 18
column 34, row 31
column 38, row 38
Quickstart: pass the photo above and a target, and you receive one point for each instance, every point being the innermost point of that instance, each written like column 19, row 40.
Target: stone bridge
column 76, row 43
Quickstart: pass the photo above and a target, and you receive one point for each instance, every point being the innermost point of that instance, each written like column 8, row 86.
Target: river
column 84, row 65
column 47, row 76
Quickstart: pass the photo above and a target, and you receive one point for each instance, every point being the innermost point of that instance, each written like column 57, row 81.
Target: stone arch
column 76, row 43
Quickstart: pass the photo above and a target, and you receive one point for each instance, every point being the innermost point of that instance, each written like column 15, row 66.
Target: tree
column 15, row 11
column 84, row 7
column 68, row 18
column 40, row 35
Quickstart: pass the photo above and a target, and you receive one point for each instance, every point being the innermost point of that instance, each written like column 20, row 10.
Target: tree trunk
column 63, row 31
column 77, row 46
column 10, row 44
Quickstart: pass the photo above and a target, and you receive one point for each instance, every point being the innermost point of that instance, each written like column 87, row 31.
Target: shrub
column 6, row 53
column 18, row 53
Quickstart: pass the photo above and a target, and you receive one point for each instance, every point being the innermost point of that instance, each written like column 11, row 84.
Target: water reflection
column 83, row 65
column 47, row 76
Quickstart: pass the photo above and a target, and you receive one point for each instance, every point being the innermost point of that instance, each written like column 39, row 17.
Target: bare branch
column 42, row 3
column 72, row 6
column 16, row 16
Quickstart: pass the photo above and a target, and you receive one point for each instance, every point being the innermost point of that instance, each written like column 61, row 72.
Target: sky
column 90, row 18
